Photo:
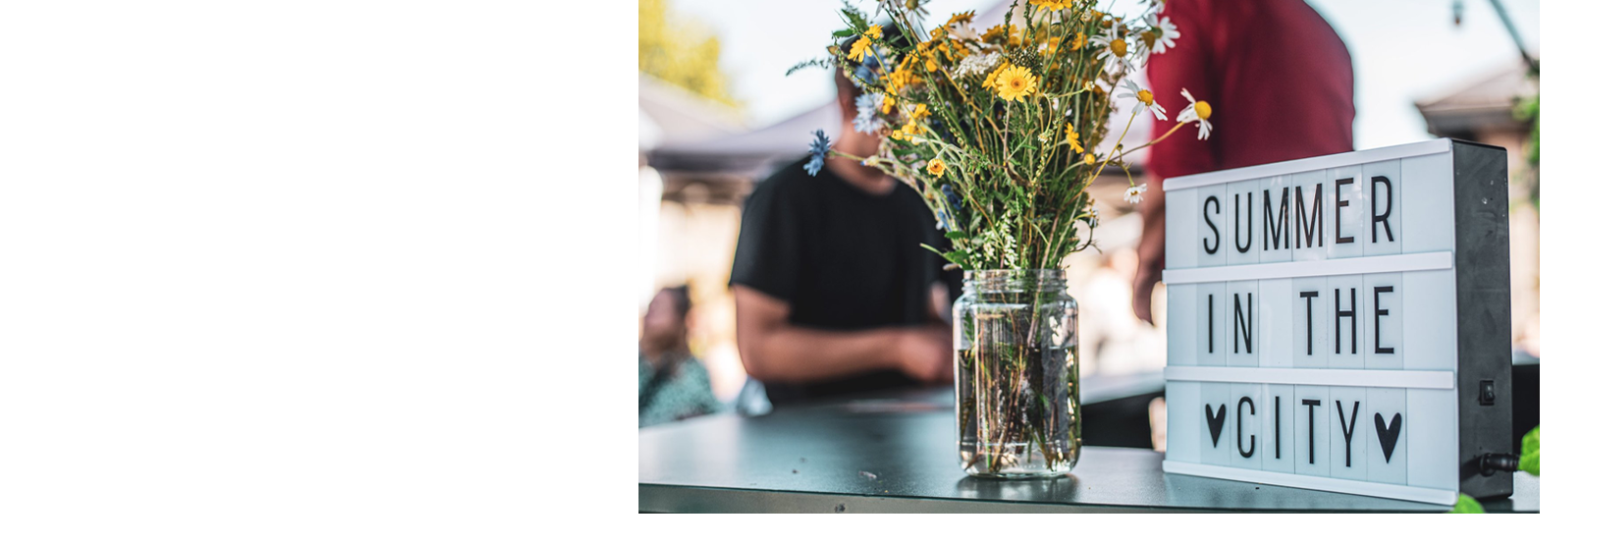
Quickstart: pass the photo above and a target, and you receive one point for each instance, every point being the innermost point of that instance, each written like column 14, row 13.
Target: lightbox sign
column 1342, row 322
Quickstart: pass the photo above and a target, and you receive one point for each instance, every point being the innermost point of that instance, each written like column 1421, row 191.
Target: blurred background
column 717, row 114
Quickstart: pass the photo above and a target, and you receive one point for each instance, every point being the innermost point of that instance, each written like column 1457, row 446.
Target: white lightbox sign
column 1342, row 322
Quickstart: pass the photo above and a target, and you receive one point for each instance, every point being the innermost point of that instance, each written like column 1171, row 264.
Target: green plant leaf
column 1467, row 505
column 1529, row 452
column 854, row 18
column 843, row 33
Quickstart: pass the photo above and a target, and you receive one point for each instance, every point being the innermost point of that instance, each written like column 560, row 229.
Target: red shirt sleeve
column 1186, row 66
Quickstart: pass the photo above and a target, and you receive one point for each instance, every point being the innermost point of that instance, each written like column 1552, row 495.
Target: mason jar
column 1017, row 408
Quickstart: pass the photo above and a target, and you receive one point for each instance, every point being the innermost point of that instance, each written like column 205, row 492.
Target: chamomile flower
column 914, row 10
column 1197, row 110
column 1165, row 33
column 1145, row 98
column 1135, row 193
column 963, row 31
column 1092, row 216
column 866, row 119
column 1115, row 47
column 1138, row 53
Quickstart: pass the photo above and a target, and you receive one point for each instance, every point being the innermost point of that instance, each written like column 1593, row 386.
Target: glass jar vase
column 1016, row 374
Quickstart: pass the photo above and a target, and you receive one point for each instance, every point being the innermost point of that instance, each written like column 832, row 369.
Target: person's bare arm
column 1151, row 249
column 774, row 350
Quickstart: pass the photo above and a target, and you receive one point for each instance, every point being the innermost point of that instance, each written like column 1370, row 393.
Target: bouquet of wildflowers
column 996, row 128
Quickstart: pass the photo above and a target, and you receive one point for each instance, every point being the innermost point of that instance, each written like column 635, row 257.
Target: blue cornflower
column 866, row 71
column 955, row 207
column 953, row 198
column 818, row 153
column 866, row 107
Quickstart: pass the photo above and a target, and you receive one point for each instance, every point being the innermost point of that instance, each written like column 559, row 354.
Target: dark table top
column 896, row 453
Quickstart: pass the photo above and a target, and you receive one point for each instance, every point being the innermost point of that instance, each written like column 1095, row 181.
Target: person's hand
column 927, row 353
column 1149, row 272
column 1151, row 250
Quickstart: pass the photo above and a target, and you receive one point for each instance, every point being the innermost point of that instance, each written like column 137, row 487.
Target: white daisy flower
column 1145, row 99
column 1137, row 54
column 964, row 32
column 1093, row 216
column 1110, row 42
column 1135, row 194
column 1196, row 111
column 1166, row 33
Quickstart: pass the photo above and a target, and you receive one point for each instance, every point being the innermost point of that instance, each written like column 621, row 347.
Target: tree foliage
column 681, row 51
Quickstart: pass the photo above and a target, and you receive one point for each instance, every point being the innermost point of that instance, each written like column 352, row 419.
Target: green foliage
column 854, row 18
column 1528, row 109
column 1529, row 452
column 681, row 52
column 1467, row 505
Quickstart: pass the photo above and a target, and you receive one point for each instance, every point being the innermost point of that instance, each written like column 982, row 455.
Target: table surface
column 896, row 453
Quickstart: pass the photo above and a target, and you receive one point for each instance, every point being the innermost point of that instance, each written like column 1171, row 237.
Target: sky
column 1403, row 50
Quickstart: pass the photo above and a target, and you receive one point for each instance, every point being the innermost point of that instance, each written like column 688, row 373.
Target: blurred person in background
column 672, row 384
column 1281, row 83
column 833, row 291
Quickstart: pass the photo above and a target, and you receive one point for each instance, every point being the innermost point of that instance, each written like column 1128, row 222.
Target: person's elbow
column 756, row 365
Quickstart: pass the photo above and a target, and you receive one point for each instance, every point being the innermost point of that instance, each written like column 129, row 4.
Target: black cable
column 1493, row 462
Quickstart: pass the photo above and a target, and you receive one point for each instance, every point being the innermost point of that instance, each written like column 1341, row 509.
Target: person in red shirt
column 1282, row 87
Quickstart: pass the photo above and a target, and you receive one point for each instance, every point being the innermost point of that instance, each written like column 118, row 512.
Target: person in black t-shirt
column 834, row 293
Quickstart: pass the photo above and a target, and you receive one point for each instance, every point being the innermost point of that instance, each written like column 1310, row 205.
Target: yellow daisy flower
column 917, row 112
column 988, row 83
column 857, row 52
column 962, row 17
column 876, row 32
column 997, row 33
column 1089, row 158
column 1053, row 5
column 1072, row 138
column 936, row 167
column 1015, row 82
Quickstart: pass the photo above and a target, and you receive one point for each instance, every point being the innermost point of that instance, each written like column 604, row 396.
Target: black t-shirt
column 842, row 258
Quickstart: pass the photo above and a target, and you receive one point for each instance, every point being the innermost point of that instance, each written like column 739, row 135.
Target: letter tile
column 1312, row 434
column 1243, row 334
column 1384, row 229
column 1351, row 423
column 1385, row 447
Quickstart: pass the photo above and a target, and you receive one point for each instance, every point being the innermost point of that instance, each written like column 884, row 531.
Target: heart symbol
column 1387, row 435
column 1216, row 419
